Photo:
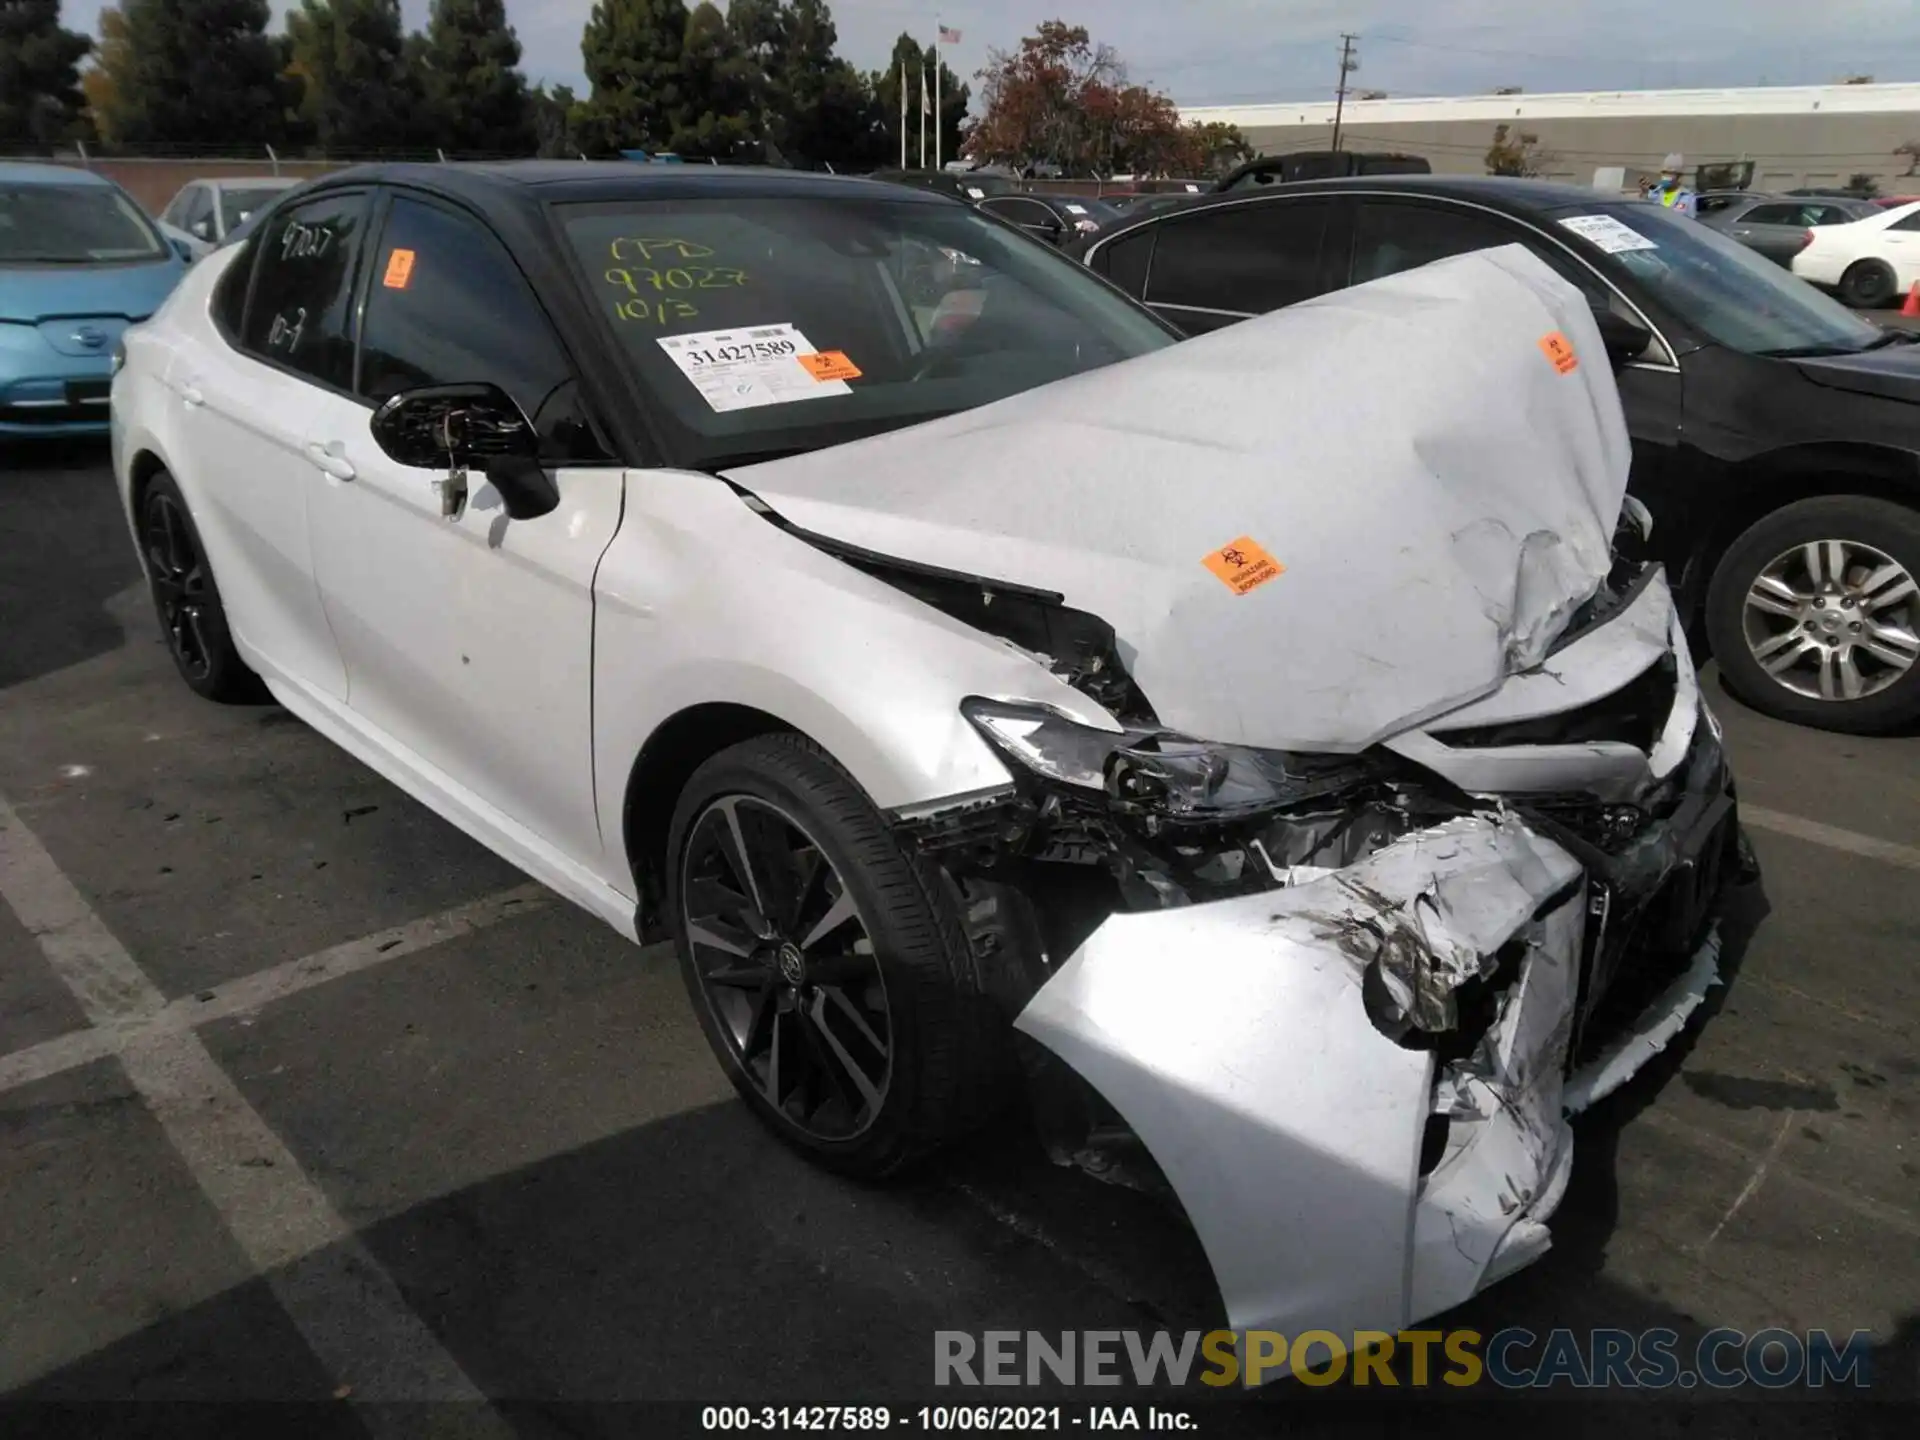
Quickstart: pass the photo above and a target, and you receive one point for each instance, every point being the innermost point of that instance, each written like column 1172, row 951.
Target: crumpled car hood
column 1437, row 479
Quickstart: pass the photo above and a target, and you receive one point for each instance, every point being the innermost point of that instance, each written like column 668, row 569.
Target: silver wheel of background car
column 1834, row 620
column 786, row 967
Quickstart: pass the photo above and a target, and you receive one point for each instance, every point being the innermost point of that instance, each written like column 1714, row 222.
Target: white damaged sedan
column 1257, row 751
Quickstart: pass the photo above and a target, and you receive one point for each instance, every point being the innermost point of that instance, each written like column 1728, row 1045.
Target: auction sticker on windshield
column 1608, row 233
column 744, row 369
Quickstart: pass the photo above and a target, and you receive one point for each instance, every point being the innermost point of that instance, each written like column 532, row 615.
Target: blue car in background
column 79, row 262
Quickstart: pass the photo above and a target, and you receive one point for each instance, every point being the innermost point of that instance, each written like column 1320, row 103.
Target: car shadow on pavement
column 66, row 555
column 694, row 1259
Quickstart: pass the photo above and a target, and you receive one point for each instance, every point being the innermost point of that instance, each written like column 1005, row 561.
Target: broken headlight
column 1159, row 771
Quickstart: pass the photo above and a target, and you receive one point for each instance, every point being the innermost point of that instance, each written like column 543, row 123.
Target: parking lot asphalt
column 303, row 1095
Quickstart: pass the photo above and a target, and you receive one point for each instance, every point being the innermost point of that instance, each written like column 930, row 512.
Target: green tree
column 632, row 51
column 1516, row 152
column 190, row 72
column 40, row 97
column 811, row 107
column 469, row 69
column 557, row 116
column 361, row 92
column 721, row 88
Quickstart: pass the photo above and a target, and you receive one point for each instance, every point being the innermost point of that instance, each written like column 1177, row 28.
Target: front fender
column 700, row 600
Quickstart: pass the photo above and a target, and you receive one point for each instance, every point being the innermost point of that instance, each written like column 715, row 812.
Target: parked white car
column 978, row 686
column 203, row 213
column 1870, row 263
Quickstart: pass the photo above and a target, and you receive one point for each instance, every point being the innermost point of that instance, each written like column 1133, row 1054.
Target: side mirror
column 203, row 228
column 460, row 427
column 1625, row 339
column 180, row 247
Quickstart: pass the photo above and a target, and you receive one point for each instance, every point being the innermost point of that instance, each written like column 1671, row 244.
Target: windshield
column 772, row 325
column 55, row 224
column 1729, row 293
column 237, row 205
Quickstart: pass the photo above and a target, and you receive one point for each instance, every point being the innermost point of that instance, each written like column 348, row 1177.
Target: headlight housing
column 1157, row 771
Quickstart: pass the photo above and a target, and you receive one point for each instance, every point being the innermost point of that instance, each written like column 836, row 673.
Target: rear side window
column 230, row 293
column 1247, row 259
column 1125, row 261
column 1391, row 238
column 1912, row 222
column 302, row 307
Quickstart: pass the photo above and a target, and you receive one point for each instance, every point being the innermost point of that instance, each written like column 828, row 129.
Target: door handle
column 328, row 458
column 190, row 393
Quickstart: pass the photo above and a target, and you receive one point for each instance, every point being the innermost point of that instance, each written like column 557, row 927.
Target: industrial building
column 1795, row 135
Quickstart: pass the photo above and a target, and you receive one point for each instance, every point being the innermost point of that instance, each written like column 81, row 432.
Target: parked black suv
column 1776, row 434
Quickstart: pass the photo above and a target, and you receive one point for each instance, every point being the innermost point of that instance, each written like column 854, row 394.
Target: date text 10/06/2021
column 942, row 1419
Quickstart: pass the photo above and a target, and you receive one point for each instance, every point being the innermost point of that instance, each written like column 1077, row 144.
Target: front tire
column 1814, row 615
column 192, row 619
column 1869, row 285
column 827, row 966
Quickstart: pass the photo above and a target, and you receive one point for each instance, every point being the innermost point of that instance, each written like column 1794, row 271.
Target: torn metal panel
column 1583, row 671
column 1665, row 1018
column 1400, row 598
column 1237, row 1041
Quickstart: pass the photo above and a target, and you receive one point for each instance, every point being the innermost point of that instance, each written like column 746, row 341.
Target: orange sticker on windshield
column 830, row 365
column 1243, row 565
column 1557, row 348
column 399, row 269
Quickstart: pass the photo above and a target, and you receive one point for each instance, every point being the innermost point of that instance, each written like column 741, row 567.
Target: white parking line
column 344, row 1304
column 1851, row 841
column 253, row 992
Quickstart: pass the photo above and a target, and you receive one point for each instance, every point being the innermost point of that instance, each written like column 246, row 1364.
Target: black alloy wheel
column 827, row 963
column 1869, row 285
column 787, row 967
column 187, row 601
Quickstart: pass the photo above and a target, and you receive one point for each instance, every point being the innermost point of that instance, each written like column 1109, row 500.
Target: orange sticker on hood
column 1243, row 565
column 1557, row 348
column 830, row 365
column 399, row 269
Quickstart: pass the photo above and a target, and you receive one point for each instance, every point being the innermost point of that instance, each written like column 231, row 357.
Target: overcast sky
column 1244, row 51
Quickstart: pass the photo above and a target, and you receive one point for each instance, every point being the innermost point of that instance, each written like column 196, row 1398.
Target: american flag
column 949, row 37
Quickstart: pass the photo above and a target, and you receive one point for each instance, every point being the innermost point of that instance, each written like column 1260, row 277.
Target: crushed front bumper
column 1339, row 1179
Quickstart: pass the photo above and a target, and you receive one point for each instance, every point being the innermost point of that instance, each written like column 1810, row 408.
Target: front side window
column 446, row 305
column 50, row 223
column 1730, row 294
column 300, row 313
column 775, row 324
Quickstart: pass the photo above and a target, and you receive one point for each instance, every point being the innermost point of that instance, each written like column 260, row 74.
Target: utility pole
column 1349, row 62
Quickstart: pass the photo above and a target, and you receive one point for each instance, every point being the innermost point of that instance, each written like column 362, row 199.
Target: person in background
column 1670, row 189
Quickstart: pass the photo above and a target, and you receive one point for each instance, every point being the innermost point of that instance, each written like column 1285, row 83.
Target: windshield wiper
column 1891, row 337
column 1812, row 352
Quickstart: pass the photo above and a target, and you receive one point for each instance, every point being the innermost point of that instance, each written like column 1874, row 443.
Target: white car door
column 1901, row 243
column 249, row 383
column 467, row 638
